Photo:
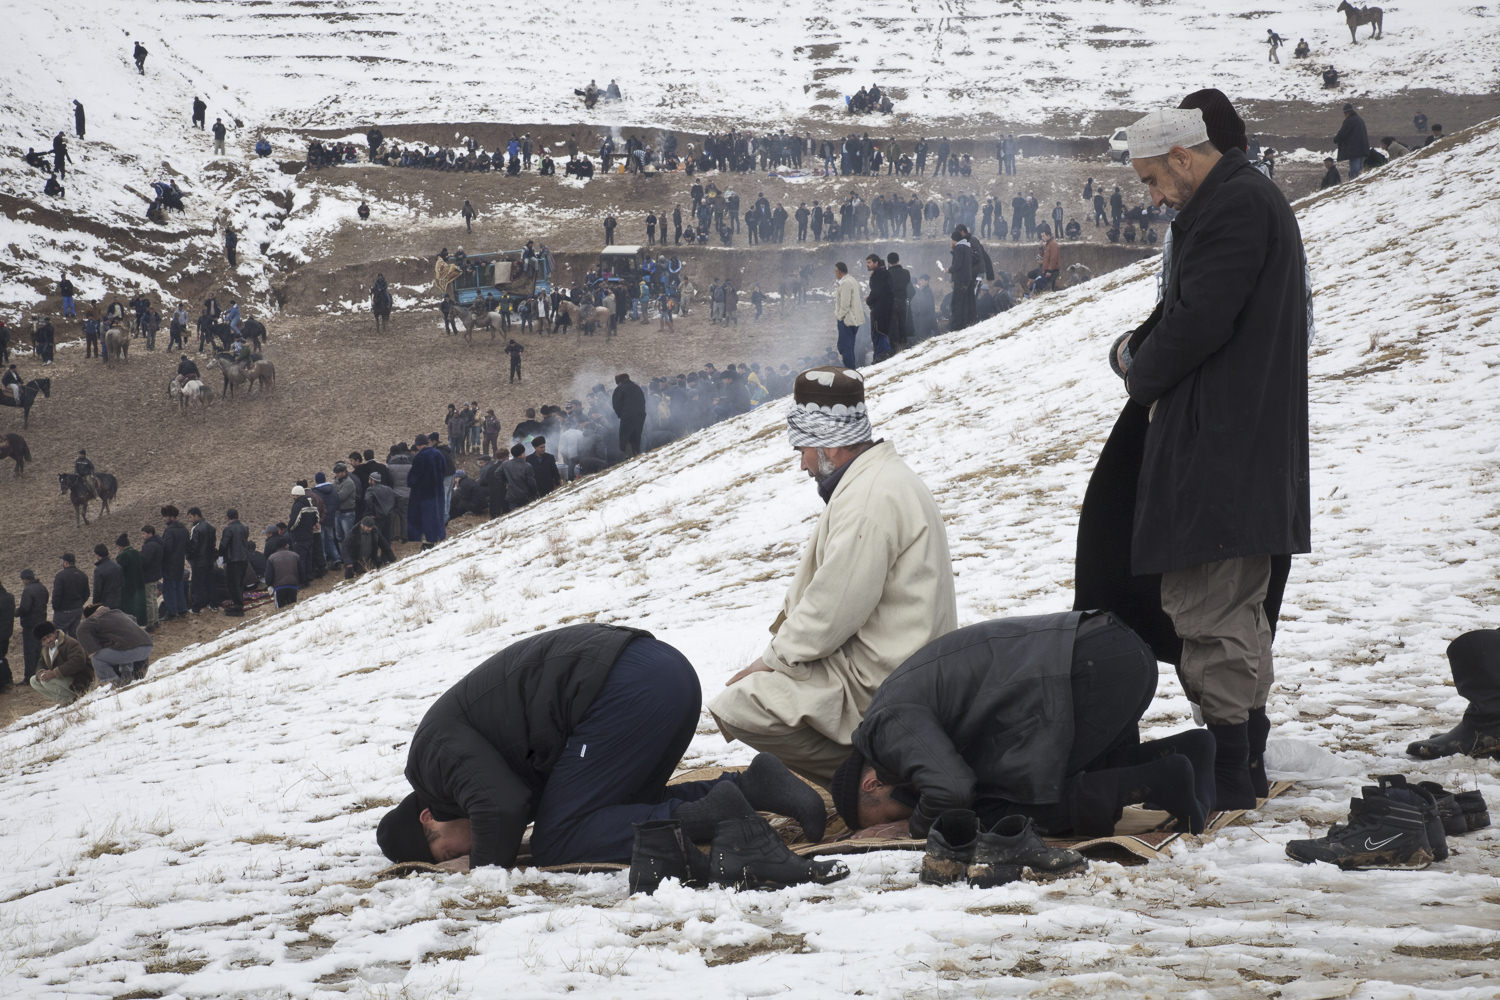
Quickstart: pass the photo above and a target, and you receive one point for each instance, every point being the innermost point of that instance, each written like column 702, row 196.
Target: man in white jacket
column 873, row 587
column 848, row 310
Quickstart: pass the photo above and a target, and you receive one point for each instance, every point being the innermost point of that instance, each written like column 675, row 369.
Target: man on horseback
column 12, row 381
column 83, row 468
column 188, row 369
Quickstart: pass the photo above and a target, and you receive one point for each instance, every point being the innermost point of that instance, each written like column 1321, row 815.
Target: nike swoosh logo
column 1375, row 846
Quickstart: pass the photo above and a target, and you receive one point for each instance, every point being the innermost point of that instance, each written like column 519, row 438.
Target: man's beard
column 825, row 467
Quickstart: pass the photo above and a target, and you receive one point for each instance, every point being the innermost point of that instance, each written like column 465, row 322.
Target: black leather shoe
column 748, row 854
column 1462, row 738
column 950, row 847
column 1011, row 845
column 662, row 852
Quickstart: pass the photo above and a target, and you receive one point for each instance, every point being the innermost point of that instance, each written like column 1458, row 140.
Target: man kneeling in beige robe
column 873, row 587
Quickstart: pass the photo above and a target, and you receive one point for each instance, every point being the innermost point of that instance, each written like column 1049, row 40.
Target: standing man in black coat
column 234, row 547
column 70, row 592
column 140, row 58
column 961, row 270
column 78, row 119
column 577, row 730
column 882, row 302
column 174, row 543
column 901, row 293
column 153, row 558
column 32, row 611
column 1353, row 141
column 1035, row 717
column 629, row 403
column 1223, row 487
column 200, row 112
column 7, row 626
column 153, row 555
column 60, row 157
column 109, row 579
column 201, row 549
column 545, row 467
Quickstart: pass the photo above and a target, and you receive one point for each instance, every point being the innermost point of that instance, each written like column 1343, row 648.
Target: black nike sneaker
column 1384, row 831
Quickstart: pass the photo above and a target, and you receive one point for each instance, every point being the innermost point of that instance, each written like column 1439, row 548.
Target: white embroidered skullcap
column 1164, row 128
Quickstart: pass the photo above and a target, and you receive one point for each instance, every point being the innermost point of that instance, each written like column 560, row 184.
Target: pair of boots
column 959, row 851
column 1176, row 774
column 1396, row 825
column 746, row 854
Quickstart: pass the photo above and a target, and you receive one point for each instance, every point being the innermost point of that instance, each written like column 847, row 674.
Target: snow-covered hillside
column 349, row 62
column 210, row 832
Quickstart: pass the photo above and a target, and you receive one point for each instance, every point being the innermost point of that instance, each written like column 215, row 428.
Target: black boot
column 1011, row 845
column 1096, row 798
column 662, row 852
column 1462, row 738
column 1198, row 747
column 1256, row 731
column 950, row 847
column 1232, row 788
column 747, row 854
column 769, row 787
column 701, row 818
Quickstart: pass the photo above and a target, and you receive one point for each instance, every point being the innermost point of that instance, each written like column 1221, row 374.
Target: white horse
column 186, row 390
column 478, row 321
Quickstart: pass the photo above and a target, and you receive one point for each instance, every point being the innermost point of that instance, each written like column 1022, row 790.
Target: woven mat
column 1140, row 836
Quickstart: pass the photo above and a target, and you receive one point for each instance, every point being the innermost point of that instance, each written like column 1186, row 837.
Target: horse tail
column 25, row 449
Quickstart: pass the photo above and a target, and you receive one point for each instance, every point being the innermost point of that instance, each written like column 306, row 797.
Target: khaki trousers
column 806, row 752
column 58, row 689
column 1218, row 610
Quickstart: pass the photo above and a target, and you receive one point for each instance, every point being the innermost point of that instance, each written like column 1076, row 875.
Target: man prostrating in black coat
column 578, row 730
column 1022, row 717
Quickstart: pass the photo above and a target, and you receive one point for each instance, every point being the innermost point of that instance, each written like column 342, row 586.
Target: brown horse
column 262, row 374
column 1354, row 17
column 80, row 491
column 13, row 447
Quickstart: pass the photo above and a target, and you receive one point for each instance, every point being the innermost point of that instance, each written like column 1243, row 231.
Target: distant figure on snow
column 1275, row 42
column 78, row 121
column 200, row 112
column 140, row 58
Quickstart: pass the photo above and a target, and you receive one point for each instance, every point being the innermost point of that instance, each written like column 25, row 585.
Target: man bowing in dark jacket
column 576, row 730
column 1032, row 717
column 1220, row 370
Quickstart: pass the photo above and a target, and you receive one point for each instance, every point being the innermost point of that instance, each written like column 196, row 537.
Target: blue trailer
column 503, row 276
